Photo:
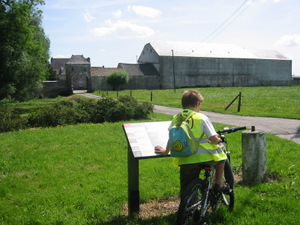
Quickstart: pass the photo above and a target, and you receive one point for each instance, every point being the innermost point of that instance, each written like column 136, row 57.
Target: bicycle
column 199, row 195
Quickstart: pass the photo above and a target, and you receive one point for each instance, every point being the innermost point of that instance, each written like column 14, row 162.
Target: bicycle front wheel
column 228, row 199
column 190, row 205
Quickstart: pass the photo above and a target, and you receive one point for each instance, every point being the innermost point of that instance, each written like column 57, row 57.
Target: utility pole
column 173, row 70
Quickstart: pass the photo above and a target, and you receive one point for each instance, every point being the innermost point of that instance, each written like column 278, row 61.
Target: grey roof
column 78, row 59
column 145, row 69
column 102, row 71
column 59, row 63
column 195, row 49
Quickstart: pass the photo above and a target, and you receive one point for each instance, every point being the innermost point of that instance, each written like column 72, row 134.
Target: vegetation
column 280, row 102
column 73, row 111
column 78, row 175
column 117, row 79
column 24, row 49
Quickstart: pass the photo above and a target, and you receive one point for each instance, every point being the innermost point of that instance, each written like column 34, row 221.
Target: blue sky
column 113, row 31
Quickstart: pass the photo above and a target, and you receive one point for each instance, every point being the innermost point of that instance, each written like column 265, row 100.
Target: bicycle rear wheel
column 190, row 205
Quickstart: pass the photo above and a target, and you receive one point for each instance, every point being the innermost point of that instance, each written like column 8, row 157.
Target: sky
column 115, row 31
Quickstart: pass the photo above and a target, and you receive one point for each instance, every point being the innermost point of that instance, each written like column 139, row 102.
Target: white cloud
column 289, row 40
column 117, row 13
column 88, row 17
column 145, row 11
column 123, row 29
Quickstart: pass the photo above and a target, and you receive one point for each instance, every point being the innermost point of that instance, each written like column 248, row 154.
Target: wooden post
column 239, row 104
column 240, row 101
column 254, row 160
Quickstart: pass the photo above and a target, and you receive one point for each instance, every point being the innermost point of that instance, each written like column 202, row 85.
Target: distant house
column 165, row 64
column 59, row 66
column 141, row 76
column 75, row 70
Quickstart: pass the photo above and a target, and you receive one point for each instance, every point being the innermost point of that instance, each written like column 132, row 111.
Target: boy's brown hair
column 190, row 98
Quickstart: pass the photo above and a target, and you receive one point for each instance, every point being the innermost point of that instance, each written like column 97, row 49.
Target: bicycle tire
column 191, row 196
column 228, row 199
column 228, row 174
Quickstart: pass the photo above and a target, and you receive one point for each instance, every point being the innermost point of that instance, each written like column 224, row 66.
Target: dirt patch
column 165, row 207
column 162, row 207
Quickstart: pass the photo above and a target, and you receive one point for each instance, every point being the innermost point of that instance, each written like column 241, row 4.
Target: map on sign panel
column 142, row 137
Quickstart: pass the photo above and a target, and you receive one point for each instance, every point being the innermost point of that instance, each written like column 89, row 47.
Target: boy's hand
column 159, row 149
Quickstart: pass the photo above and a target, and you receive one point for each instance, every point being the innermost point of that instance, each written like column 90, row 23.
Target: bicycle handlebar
column 231, row 130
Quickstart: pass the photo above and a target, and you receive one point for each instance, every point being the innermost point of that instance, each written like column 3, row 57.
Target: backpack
column 182, row 141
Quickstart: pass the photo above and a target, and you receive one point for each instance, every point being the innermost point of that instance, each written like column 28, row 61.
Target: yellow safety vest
column 206, row 151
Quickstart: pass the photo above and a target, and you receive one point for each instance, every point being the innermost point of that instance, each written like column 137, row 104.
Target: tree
column 117, row 79
column 24, row 49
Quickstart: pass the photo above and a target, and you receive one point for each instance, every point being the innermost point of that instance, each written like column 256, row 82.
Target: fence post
column 240, row 102
column 254, row 159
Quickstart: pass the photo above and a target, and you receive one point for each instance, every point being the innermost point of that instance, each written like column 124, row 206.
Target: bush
column 10, row 119
column 77, row 110
column 136, row 110
column 62, row 113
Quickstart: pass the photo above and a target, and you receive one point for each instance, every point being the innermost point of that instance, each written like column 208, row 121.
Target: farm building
column 188, row 64
column 164, row 65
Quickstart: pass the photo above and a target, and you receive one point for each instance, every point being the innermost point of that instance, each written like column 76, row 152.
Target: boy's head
column 190, row 98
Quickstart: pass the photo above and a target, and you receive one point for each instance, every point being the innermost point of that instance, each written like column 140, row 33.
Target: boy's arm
column 161, row 150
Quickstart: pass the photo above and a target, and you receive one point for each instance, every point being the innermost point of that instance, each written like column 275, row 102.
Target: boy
column 208, row 152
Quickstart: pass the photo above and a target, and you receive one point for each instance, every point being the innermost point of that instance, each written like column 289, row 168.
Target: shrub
column 77, row 110
column 136, row 110
column 10, row 119
column 61, row 113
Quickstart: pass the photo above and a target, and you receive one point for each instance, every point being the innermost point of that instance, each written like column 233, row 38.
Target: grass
column 283, row 102
column 78, row 175
column 26, row 107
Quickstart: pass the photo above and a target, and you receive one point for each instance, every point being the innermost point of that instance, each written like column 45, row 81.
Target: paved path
column 285, row 128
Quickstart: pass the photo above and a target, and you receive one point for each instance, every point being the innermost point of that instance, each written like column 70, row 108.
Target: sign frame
column 141, row 140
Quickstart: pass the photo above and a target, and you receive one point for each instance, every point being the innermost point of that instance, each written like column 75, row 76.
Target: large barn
column 188, row 64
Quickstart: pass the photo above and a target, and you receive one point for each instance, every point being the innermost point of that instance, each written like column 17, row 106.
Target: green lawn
column 283, row 102
column 78, row 175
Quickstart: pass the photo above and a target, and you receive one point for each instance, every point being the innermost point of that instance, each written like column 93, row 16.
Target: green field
column 78, row 174
column 283, row 102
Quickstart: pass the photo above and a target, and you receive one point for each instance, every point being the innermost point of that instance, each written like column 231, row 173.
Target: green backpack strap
column 200, row 139
column 180, row 120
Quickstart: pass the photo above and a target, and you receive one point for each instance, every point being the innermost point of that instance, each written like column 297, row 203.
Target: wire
column 219, row 27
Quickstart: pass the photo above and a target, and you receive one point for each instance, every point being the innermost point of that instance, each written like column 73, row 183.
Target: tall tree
column 24, row 49
column 117, row 79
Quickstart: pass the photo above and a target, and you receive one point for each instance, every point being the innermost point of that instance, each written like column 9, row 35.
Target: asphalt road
column 285, row 128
